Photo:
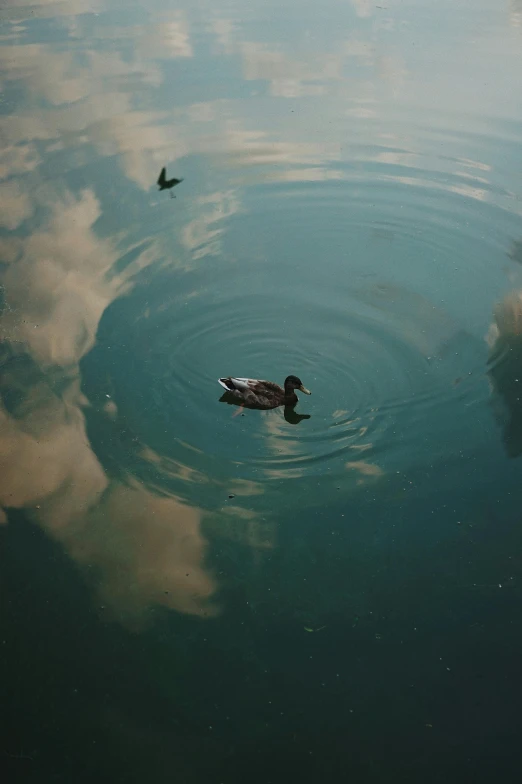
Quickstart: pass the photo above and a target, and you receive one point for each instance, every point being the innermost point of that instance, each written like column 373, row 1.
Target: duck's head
column 293, row 382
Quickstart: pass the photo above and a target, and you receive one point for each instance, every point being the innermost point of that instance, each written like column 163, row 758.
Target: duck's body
column 254, row 393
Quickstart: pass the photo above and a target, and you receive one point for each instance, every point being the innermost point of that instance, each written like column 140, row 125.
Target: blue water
column 202, row 594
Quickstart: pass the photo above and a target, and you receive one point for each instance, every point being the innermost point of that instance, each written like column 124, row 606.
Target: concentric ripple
column 373, row 279
column 372, row 358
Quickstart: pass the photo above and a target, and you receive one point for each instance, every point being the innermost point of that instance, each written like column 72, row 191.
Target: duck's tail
column 227, row 384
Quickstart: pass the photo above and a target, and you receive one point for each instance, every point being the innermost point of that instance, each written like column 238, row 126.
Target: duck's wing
column 241, row 384
column 269, row 387
column 163, row 177
column 250, row 385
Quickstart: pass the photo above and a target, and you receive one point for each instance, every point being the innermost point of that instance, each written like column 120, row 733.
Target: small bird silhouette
column 165, row 184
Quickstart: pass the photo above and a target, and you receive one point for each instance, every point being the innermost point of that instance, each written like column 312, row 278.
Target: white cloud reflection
column 14, row 203
column 18, row 159
column 169, row 38
column 363, row 8
column 202, row 235
column 146, row 550
column 515, row 13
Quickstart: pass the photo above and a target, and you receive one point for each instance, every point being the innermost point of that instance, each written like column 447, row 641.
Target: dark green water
column 191, row 596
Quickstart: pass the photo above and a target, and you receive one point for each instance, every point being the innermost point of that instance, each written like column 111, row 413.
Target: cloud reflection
column 142, row 550
column 363, row 8
column 169, row 38
column 15, row 205
column 515, row 13
column 505, row 364
column 367, row 471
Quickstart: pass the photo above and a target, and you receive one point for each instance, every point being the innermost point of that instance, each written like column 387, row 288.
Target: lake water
column 197, row 594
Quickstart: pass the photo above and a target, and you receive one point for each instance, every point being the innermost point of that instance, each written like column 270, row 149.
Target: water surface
column 204, row 597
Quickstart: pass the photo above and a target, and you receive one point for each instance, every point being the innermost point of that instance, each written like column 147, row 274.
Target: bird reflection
column 289, row 412
column 165, row 184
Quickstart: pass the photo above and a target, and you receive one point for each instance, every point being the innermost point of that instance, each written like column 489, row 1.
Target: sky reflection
column 98, row 97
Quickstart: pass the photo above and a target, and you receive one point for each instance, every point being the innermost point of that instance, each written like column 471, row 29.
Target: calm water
column 192, row 596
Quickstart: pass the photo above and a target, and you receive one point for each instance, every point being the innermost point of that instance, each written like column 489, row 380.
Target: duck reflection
column 289, row 412
column 292, row 417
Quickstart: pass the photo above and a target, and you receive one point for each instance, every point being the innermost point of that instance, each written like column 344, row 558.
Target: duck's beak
column 305, row 390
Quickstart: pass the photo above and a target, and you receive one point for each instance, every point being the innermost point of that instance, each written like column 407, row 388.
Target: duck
column 254, row 393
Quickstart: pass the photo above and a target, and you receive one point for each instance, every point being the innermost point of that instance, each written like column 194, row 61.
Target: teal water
column 195, row 596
